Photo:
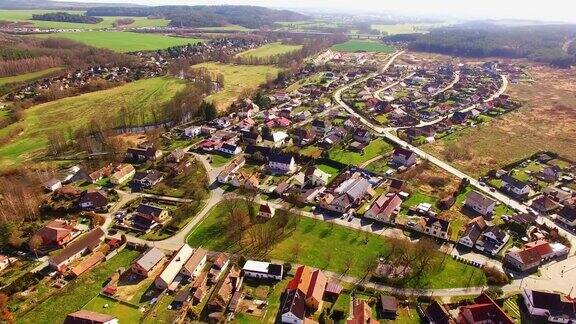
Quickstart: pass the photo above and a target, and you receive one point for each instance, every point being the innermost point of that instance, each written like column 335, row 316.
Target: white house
column 567, row 215
column 266, row 211
column 403, row 157
column 550, row 306
column 230, row 149
column 193, row 267
column 317, row 177
column 167, row 276
column 435, row 227
column 281, row 162
column 294, row 307
column 263, row 270
column 192, row 131
column 472, row 232
column 515, row 186
column 53, row 185
column 480, row 203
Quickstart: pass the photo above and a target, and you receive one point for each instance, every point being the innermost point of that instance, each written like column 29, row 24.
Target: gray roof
column 357, row 189
column 149, row 259
column 480, row 199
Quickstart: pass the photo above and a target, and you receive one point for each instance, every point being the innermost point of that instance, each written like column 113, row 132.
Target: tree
column 35, row 243
column 208, row 110
column 348, row 263
column 15, row 237
column 5, row 315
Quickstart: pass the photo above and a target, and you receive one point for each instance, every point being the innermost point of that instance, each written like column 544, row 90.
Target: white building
column 480, row 203
column 192, row 131
column 263, row 270
column 171, row 271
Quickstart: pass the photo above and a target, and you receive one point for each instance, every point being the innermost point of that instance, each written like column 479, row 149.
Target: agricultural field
column 363, row 46
column 416, row 28
column 28, row 76
column 315, row 238
column 78, row 293
column 26, row 16
column 225, row 28
column 139, row 101
column 307, row 24
column 269, row 50
column 237, row 80
column 125, row 41
column 546, row 121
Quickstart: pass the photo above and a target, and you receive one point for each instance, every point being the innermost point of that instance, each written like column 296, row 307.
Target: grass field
column 547, row 121
column 317, row 238
column 28, row 76
column 268, row 50
column 237, row 79
column 124, row 313
column 406, row 28
column 125, row 41
column 26, row 16
column 78, row 293
column 139, row 99
column 363, row 46
column 375, row 148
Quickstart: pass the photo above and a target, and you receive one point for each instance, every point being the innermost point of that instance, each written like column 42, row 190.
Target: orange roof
column 361, row 313
column 309, row 281
column 88, row 263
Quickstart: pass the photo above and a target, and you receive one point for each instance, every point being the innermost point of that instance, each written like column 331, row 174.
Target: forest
column 544, row 43
column 204, row 16
column 67, row 17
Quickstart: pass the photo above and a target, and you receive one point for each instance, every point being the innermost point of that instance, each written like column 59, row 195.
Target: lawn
column 26, row 15
column 375, row 148
column 379, row 166
column 363, row 46
column 328, row 169
column 268, row 50
column 125, row 41
column 141, row 100
column 28, row 76
column 326, row 246
column 124, row 313
column 78, row 293
column 237, row 80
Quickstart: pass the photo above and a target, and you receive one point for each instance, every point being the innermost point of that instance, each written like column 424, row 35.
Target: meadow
column 28, row 76
column 125, row 41
column 237, row 80
column 139, row 100
column 271, row 49
column 363, row 46
column 26, row 16
column 416, row 28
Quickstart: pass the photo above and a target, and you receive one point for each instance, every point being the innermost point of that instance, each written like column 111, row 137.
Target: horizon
column 550, row 11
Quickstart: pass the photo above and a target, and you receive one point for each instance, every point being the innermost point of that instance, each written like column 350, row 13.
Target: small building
column 148, row 262
column 230, row 149
column 122, row 173
column 437, row 313
column 165, row 279
column 567, row 215
column 192, row 131
column 88, row 242
column 266, row 211
column 312, row 282
column 281, row 162
column 316, row 177
column 515, row 186
column 293, row 310
column 52, row 185
column 148, row 217
column 484, row 310
column 195, row 264
column 56, row 233
column 88, row 317
column 141, row 154
column 388, row 307
column 434, row 226
column 93, row 199
column 385, row 208
column 403, row 157
column 472, row 232
column 550, row 307
column 263, row 270
column 148, row 179
column 361, row 313
column 480, row 203
column 533, row 254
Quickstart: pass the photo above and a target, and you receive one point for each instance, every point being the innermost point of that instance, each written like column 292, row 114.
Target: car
column 350, row 218
column 482, row 183
column 113, row 232
column 492, row 189
column 410, row 224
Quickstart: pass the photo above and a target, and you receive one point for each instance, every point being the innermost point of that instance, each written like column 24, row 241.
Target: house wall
column 290, row 318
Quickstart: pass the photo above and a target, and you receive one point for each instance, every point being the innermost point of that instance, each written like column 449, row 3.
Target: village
column 296, row 152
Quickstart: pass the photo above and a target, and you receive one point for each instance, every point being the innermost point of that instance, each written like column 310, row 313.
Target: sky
column 549, row 10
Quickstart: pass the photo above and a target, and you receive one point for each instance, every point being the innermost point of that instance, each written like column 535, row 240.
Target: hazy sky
column 559, row 10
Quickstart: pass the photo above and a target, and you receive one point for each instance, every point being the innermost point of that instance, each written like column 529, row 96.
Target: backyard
column 375, row 148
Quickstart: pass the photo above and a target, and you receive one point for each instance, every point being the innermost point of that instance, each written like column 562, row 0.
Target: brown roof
column 55, row 230
column 220, row 260
column 87, row 317
column 195, row 260
column 310, row 281
column 88, row 263
column 89, row 240
column 361, row 313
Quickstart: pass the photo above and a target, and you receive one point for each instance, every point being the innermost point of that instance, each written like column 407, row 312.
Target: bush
column 495, row 276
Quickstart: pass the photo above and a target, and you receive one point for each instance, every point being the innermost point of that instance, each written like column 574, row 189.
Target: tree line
column 67, row 17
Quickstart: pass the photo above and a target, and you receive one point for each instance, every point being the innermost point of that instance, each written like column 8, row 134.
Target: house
column 550, row 173
column 56, row 233
column 348, row 194
column 88, row 242
column 4, row 262
column 235, row 165
column 52, row 185
column 141, row 154
column 231, row 284
column 480, row 203
column 567, row 215
column 545, row 204
column 436, row 313
column 263, row 270
column 515, row 186
column 148, row 262
column 122, row 174
column 492, row 240
column 193, row 267
column 165, row 279
column 385, row 208
column 230, row 149
column 388, row 307
column 434, row 226
column 251, row 137
column 316, row 177
column 88, row 317
column 403, row 157
column 396, row 185
column 312, row 282
column 293, row 310
column 321, row 126
column 148, row 178
column 176, row 156
column 483, row 310
column 362, row 135
column 148, row 217
column 276, row 139
column 192, row 131
column 549, row 306
column 266, row 211
column 304, row 136
column 88, row 263
column 281, row 162
column 361, row 313
column 472, row 232
column 533, row 254
column 93, row 199
column 219, row 265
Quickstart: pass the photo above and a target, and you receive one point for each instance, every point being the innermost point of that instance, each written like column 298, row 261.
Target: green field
column 375, row 148
column 26, row 16
column 237, row 79
column 28, row 76
column 363, row 46
column 407, row 28
column 124, row 313
column 317, row 238
column 78, row 293
column 271, row 49
column 139, row 99
column 125, row 41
